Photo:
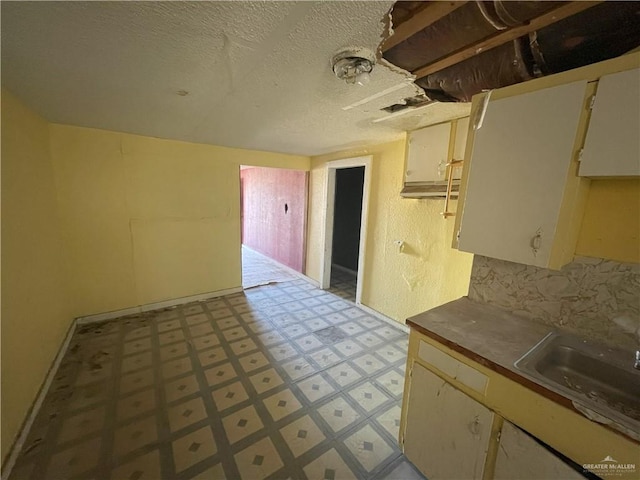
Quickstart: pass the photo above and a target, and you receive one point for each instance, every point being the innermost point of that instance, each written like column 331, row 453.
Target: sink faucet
column 637, row 362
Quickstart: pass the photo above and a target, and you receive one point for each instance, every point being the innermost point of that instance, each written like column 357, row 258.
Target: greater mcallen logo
column 609, row 466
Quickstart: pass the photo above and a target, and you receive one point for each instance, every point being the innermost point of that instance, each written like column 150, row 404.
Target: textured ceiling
column 257, row 74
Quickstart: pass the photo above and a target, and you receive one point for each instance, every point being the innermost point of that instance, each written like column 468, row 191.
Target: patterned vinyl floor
column 343, row 284
column 283, row 381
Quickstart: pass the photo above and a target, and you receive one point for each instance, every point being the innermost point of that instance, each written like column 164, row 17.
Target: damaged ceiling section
column 458, row 49
column 258, row 75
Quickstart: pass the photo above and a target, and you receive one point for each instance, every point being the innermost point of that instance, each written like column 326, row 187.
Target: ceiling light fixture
column 353, row 66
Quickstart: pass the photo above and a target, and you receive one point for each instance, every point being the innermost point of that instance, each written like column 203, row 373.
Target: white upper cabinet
column 612, row 147
column 520, row 164
column 428, row 152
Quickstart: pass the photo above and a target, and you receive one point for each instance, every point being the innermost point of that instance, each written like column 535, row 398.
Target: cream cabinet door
column 447, row 433
column 427, row 154
column 520, row 457
column 612, row 147
column 517, row 174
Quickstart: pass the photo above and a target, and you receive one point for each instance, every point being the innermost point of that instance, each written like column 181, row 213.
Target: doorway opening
column 347, row 194
column 273, row 214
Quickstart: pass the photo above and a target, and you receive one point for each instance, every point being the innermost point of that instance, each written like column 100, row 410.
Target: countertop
column 479, row 330
column 492, row 337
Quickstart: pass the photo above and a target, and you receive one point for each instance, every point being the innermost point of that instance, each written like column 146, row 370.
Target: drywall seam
column 16, row 448
column 99, row 317
column 127, row 206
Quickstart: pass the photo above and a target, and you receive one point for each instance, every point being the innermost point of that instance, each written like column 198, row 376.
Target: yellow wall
column 94, row 221
column 611, row 223
column 428, row 273
column 148, row 220
column 35, row 302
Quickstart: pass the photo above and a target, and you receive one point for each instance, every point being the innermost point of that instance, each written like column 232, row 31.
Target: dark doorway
column 346, row 231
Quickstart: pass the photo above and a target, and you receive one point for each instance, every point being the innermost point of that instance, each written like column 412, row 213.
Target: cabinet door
column 612, row 147
column 520, row 457
column 447, row 433
column 427, row 156
column 517, row 174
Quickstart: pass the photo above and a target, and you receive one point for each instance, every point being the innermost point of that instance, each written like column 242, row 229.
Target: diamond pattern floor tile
column 281, row 381
column 135, row 435
column 220, row 374
column 74, row 460
column 242, row 423
column 186, row 413
column 339, row 414
column 316, row 387
column 229, row 396
column 368, row 396
column 282, row 404
column 193, row 448
column 390, row 420
column 181, row 388
column 82, row 424
column 142, row 467
column 259, row 460
column 265, row 381
column 369, row 448
column 136, row 404
column 302, row 435
column 329, row 466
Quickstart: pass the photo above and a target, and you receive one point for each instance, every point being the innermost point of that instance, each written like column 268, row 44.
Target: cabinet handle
column 536, row 242
column 474, row 427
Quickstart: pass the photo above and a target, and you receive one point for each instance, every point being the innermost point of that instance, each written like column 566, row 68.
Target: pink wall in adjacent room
column 274, row 213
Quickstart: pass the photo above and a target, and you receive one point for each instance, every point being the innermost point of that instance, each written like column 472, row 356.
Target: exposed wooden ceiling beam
column 566, row 10
column 430, row 14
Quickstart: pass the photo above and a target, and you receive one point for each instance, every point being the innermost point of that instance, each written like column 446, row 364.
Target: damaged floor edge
column 17, row 446
column 165, row 304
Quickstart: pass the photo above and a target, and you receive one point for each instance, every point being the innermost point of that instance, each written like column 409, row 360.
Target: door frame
column 329, row 211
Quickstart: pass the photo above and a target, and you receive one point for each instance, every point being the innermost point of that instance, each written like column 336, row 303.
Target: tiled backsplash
column 592, row 297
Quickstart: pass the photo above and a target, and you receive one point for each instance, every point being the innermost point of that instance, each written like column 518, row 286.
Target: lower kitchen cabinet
column 450, row 434
column 520, row 457
column 447, row 432
column 467, row 415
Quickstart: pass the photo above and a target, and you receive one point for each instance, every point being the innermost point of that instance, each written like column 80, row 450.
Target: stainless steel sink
column 601, row 378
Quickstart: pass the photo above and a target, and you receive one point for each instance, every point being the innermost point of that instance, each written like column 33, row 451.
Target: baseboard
column 99, row 317
column 285, row 267
column 16, row 448
column 384, row 318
